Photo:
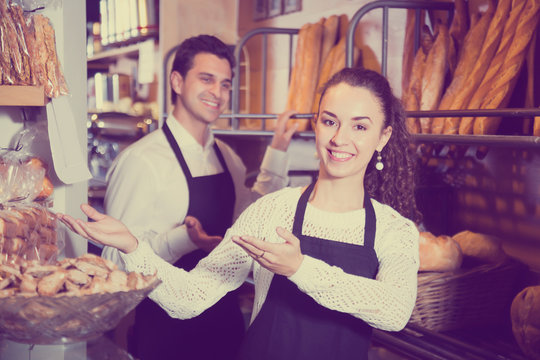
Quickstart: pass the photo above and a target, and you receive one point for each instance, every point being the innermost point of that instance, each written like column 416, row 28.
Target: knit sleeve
column 184, row 294
column 385, row 302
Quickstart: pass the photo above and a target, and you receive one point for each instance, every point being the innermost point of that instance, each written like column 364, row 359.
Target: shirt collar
column 184, row 138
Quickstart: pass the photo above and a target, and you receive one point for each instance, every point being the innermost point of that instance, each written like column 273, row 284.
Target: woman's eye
column 328, row 122
column 359, row 127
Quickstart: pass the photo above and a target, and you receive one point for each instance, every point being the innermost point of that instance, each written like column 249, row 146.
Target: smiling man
column 179, row 189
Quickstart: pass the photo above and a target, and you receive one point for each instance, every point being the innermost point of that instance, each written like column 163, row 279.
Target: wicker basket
column 48, row 320
column 472, row 297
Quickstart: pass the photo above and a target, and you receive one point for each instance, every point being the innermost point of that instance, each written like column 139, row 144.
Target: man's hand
column 199, row 236
column 282, row 136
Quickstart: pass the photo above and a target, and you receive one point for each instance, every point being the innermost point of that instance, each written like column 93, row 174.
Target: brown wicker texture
column 48, row 320
column 474, row 297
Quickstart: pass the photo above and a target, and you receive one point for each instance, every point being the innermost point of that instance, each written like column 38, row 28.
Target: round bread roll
column 482, row 247
column 525, row 314
column 439, row 253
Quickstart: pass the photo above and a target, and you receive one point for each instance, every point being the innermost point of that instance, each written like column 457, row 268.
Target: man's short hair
column 183, row 59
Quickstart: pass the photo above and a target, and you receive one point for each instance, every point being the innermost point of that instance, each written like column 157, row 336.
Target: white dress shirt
column 148, row 192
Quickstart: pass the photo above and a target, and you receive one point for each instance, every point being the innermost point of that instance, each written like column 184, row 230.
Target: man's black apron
column 291, row 325
column 218, row 332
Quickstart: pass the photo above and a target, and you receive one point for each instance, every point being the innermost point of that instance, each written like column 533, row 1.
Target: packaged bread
column 439, row 253
column 525, row 317
column 482, row 247
column 503, row 85
column 467, row 58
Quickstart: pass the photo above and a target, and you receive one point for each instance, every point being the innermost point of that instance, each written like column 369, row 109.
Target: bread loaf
column 470, row 51
column 503, row 85
column 493, row 71
column 481, row 247
column 329, row 40
column 434, row 73
column 458, row 31
column 296, row 70
column 438, row 253
column 536, row 128
column 525, row 315
column 408, row 53
column 481, row 63
column 414, row 92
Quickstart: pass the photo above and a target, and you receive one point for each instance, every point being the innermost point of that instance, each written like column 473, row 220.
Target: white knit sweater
column 385, row 302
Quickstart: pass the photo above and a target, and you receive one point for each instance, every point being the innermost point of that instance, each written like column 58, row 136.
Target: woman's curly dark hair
column 394, row 185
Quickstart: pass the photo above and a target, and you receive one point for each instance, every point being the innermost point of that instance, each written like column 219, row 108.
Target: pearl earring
column 379, row 164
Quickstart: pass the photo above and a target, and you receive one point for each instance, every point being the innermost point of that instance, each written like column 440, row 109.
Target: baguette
column 433, row 78
column 10, row 40
column 308, row 80
column 408, row 53
column 481, row 64
column 414, row 92
column 503, row 85
column 329, row 39
column 458, row 31
column 466, row 124
column 536, row 127
column 296, row 70
column 471, row 48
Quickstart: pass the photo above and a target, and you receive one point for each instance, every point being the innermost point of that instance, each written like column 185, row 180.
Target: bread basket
column 473, row 297
column 46, row 320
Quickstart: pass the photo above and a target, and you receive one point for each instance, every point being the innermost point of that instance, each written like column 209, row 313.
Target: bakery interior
column 466, row 72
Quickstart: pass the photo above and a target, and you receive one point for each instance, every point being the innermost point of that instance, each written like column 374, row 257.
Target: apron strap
column 370, row 227
column 177, row 152
column 301, row 209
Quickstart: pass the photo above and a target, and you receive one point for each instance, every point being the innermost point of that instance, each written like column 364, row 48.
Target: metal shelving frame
column 515, row 141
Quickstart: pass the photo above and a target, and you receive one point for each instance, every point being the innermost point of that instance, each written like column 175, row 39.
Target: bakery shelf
column 114, row 53
column 22, row 95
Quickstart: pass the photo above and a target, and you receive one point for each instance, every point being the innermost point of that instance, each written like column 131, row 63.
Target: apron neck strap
column 370, row 223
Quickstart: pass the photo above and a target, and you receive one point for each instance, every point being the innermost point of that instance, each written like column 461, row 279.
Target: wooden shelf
column 22, row 95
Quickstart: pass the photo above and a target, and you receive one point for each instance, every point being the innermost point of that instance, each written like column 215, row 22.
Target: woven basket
column 48, row 320
column 473, row 297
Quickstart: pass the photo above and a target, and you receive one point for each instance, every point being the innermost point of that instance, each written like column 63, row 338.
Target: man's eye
column 205, row 80
column 226, row 86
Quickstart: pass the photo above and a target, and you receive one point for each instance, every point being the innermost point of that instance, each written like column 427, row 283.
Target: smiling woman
column 331, row 261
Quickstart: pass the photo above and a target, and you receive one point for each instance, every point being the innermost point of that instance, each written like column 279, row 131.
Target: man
column 180, row 189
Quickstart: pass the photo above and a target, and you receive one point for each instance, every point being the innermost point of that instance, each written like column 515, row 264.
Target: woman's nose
column 340, row 137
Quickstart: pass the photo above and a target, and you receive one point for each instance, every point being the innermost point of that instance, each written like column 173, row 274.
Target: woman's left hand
column 282, row 259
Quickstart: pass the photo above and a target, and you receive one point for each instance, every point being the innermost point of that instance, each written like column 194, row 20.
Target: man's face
column 204, row 93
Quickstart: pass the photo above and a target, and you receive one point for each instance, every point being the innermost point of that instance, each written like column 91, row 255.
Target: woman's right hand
column 104, row 229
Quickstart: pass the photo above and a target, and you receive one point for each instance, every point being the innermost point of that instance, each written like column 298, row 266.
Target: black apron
column 218, row 332
column 291, row 325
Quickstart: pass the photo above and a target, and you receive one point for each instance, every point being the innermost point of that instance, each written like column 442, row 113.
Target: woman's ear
column 385, row 136
column 176, row 82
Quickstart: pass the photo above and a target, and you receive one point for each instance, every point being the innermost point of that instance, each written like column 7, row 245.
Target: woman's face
column 348, row 130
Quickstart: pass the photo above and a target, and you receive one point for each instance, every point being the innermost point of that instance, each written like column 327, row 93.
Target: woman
column 330, row 261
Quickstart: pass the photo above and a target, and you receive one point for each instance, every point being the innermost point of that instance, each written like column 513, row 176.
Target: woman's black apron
column 291, row 325
column 218, row 332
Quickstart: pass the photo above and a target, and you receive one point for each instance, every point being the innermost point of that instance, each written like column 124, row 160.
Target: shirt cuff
column 273, row 161
column 304, row 275
column 137, row 257
column 179, row 242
